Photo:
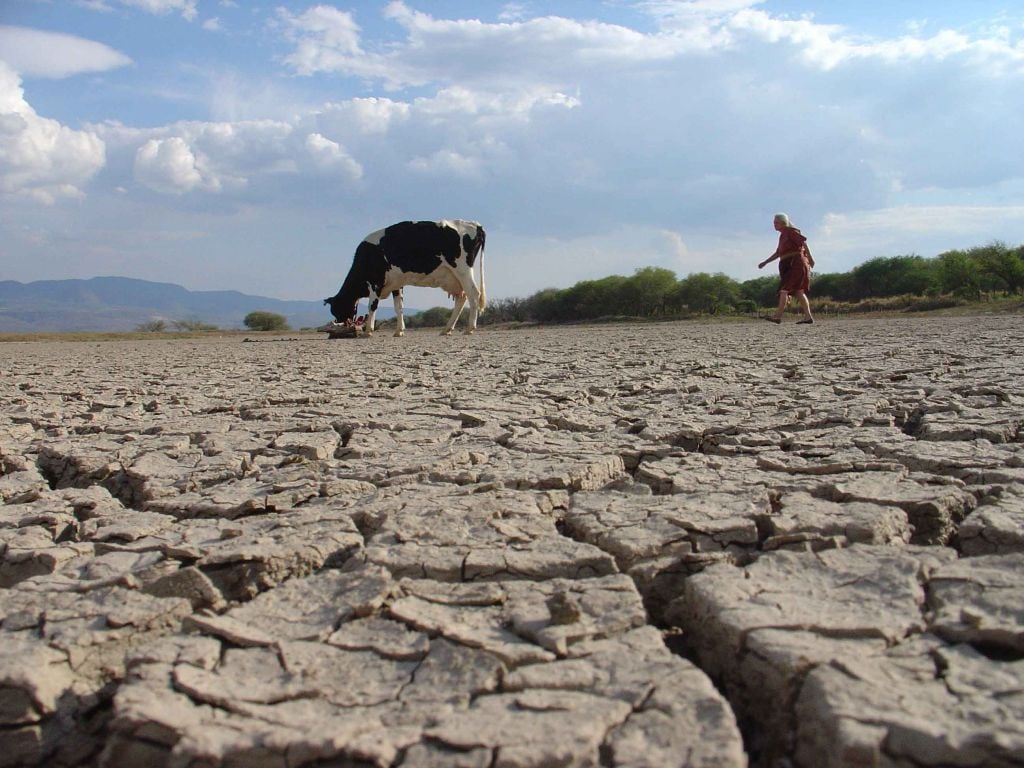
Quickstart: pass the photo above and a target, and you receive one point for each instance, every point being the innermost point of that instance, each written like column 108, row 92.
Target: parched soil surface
column 663, row 545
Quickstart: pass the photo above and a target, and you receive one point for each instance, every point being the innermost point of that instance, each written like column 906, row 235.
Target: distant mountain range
column 124, row 304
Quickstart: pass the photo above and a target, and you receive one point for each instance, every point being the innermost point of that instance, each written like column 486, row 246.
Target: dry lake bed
column 683, row 544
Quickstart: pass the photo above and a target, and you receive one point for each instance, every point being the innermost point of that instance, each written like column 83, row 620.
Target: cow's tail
column 480, row 238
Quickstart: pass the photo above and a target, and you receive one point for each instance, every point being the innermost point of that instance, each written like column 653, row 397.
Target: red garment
column 794, row 272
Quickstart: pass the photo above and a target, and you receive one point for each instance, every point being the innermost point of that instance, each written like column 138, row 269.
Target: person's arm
column 780, row 257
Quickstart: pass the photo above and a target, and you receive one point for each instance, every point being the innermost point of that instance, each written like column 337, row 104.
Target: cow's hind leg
column 399, row 317
column 473, row 296
column 460, row 302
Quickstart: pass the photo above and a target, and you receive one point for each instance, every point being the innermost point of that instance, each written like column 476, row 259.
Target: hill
column 122, row 304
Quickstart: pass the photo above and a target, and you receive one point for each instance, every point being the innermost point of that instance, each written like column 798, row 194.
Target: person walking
column 795, row 262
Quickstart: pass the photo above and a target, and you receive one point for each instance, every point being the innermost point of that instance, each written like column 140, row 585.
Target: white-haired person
column 795, row 262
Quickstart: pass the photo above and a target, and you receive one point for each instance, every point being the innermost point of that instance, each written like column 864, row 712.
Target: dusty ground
column 679, row 544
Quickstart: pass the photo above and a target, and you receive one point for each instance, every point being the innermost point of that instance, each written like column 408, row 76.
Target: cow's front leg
column 399, row 318
column 460, row 302
column 371, row 315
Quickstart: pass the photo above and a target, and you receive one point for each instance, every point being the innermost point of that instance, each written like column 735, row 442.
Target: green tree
column 152, row 326
column 711, row 294
column 265, row 321
column 430, row 318
column 1002, row 265
column 958, row 274
column 834, row 285
column 892, row 276
column 546, row 306
column 763, row 291
column 591, row 299
column 648, row 290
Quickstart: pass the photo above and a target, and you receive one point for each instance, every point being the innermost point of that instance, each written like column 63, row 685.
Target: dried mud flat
column 663, row 545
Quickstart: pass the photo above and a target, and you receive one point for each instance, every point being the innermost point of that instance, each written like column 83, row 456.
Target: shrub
column 152, row 326
column 265, row 321
column 193, row 325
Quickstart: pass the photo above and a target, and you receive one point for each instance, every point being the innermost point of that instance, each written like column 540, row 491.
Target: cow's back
column 417, row 246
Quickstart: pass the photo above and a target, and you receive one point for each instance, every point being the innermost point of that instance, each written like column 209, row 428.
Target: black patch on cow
column 419, row 246
column 473, row 245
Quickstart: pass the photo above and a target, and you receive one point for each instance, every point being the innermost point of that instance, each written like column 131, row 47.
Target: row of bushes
column 905, row 283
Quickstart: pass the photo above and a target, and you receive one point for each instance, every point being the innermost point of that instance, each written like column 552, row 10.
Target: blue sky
column 245, row 145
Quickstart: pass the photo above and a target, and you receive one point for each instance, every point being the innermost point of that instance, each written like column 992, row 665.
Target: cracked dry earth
column 664, row 545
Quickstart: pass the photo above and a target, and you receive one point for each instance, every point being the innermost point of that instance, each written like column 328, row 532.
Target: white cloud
column 40, row 158
column 327, row 40
column 446, row 162
column 466, row 51
column 829, row 45
column 162, row 7
column 366, row 115
column 158, row 7
column 168, row 165
column 971, row 220
column 513, row 12
column 258, row 158
column 206, row 157
column 331, row 158
column 510, row 104
column 676, row 245
column 36, row 53
column 689, row 9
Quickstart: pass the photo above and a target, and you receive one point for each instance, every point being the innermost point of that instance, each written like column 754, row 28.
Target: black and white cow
column 432, row 254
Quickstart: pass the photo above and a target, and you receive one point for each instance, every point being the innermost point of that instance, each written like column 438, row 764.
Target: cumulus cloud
column 329, row 157
column 509, row 105
column 206, row 157
column 465, row 51
column 40, row 158
column 220, row 158
column 446, row 162
column 327, row 40
column 170, row 165
column 36, row 53
column 828, row 45
column 366, row 115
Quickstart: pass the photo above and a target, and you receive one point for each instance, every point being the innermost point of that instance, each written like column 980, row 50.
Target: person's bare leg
column 805, row 305
column 783, row 301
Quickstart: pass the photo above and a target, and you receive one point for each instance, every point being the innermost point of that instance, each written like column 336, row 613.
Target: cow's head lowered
column 356, row 286
column 342, row 307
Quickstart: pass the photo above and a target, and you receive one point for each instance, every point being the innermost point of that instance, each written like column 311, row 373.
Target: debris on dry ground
column 703, row 545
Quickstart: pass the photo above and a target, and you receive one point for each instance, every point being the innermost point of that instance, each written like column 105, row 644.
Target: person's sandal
column 805, row 322
column 773, row 320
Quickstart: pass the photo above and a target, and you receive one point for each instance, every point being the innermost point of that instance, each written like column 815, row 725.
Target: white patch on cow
column 374, row 238
column 442, row 277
